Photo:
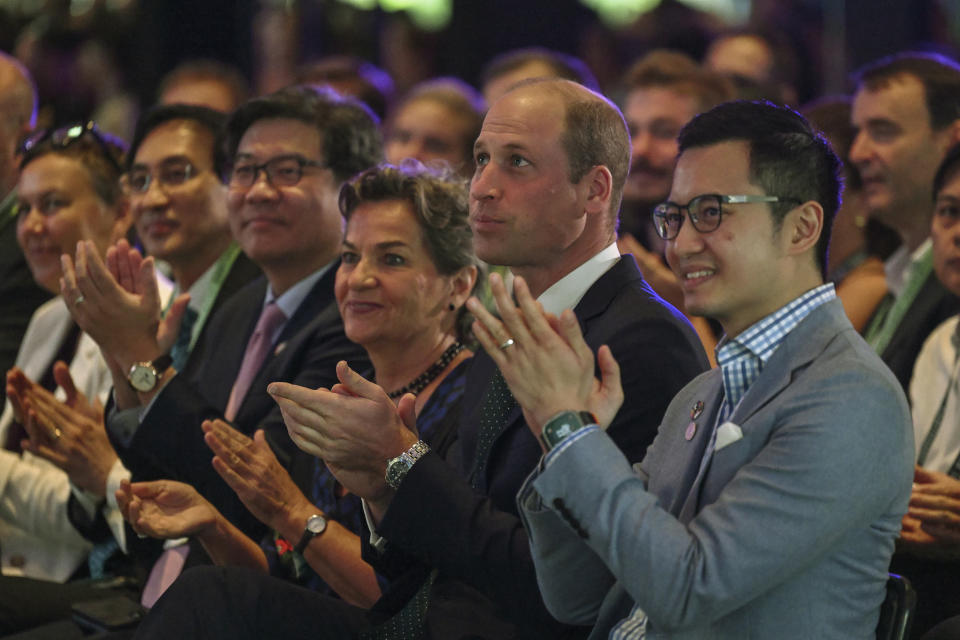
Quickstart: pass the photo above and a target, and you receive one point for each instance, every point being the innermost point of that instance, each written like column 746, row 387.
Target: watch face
column 563, row 430
column 561, row 426
column 316, row 524
column 143, row 378
column 396, row 470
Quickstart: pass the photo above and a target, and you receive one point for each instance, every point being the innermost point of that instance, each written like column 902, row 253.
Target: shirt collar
column 292, row 298
column 763, row 337
column 567, row 292
column 900, row 265
column 198, row 290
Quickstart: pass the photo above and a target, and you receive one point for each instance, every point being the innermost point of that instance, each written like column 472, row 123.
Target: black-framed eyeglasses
column 705, row 212
column 282, row 171
column 170, row 174
column 63, row 137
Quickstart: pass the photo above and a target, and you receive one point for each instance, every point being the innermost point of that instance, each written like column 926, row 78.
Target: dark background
column 125, row 46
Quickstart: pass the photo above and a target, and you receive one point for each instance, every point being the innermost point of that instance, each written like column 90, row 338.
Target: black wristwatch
column 144, row 376
column 316, row 524
column 564, row 424
column 397, row 468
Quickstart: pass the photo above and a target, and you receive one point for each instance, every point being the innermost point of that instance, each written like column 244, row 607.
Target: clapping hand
column 252, row 470
column 544, row 359
column 70, row 434
column 353, row 427
column 118, row 304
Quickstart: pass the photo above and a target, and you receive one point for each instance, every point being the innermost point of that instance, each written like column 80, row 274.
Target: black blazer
column 933, row 305
column 487, row 584
column 169, row 443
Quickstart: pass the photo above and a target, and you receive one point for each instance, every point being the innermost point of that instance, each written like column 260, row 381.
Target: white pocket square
column 727, row 433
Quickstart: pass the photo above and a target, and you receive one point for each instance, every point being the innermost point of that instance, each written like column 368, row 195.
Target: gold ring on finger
column 506, row 344
column 80, row 298
column 57, row 433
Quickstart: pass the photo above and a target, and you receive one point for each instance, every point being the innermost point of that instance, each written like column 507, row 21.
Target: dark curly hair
column 439, row 200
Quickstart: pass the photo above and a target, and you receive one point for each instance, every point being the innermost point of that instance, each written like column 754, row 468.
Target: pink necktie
column 165, row 570
column 257, row 349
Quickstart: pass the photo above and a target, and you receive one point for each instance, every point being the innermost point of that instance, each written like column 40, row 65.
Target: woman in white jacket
column 68, row 192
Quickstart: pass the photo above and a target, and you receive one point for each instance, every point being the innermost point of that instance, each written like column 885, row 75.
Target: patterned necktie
column 99, row 556
column 253, row 358
column 497, row 404
column 181, row 348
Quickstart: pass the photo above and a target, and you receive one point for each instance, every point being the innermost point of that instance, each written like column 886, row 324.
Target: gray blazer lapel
column 687, row 499
column 801, row 346
column 799, row 349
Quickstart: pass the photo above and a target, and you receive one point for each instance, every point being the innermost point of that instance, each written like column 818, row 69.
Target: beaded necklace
column 428, row 376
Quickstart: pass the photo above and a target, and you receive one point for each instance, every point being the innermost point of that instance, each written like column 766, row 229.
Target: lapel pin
column 280, row 347
column 691, row 430
column 696, row 410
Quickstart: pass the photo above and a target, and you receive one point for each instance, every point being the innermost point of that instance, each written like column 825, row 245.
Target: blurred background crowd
column 105, row 59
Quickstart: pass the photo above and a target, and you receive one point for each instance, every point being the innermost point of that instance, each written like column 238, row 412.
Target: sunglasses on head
column 64, row 137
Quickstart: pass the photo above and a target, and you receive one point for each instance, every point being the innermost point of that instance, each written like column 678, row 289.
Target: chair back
column 896, row 614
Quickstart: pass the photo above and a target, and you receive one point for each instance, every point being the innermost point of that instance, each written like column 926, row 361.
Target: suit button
column 17, row 561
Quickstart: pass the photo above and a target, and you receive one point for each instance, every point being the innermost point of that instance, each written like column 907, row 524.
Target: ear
column 802, row 227
column 599, row 184
column 122, row 220
column 462, row 283
column 953, row 133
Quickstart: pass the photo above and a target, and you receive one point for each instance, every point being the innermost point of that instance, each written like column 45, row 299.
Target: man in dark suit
column 179, row 209
column 551, row 162
column 19, row 293
column 289, row 153
column 907, row 112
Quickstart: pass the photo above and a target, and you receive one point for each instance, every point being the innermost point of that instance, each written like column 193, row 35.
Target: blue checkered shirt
column 741, row 359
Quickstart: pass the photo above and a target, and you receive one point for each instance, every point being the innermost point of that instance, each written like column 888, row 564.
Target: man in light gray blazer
column 768, row 504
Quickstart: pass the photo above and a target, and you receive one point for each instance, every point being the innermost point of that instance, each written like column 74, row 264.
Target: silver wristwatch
column 397, row 468
column 316, row 524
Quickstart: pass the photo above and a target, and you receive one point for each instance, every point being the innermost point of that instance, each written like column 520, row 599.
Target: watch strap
column 399, row 467
column 162, row 363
